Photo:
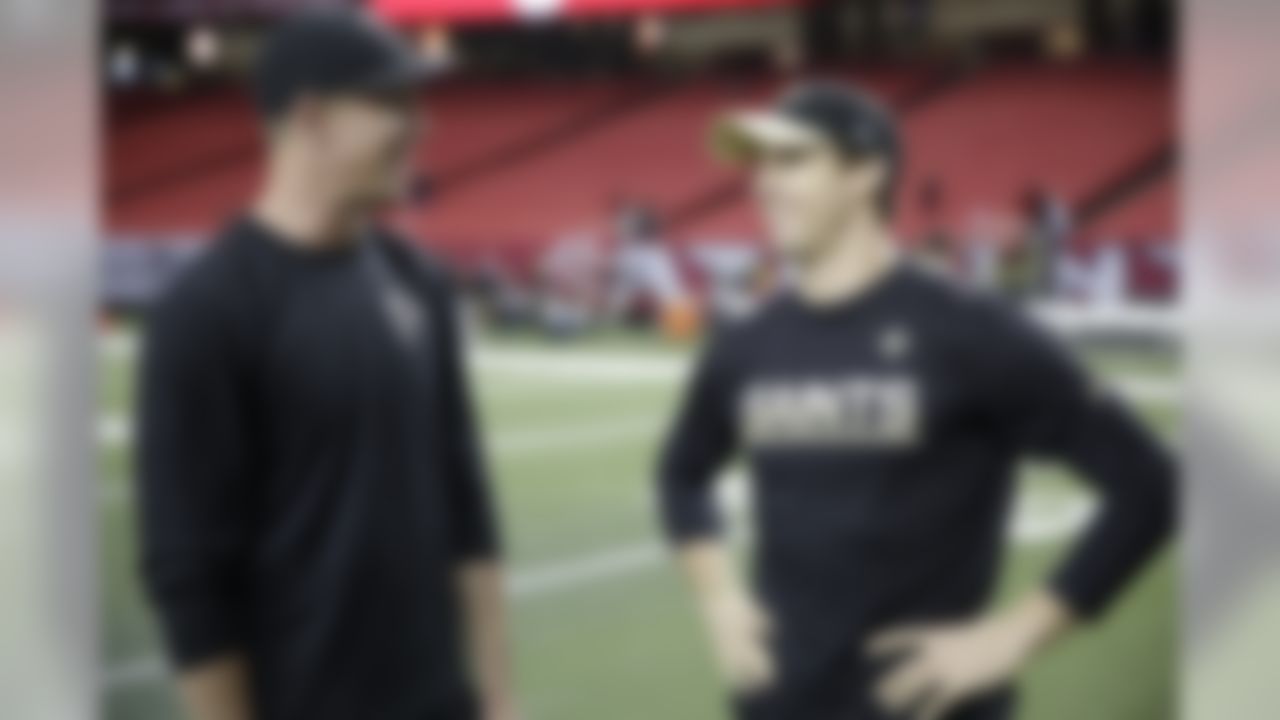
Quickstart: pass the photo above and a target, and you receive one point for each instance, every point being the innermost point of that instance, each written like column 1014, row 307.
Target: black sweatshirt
column 310, row 476
column 882, row 435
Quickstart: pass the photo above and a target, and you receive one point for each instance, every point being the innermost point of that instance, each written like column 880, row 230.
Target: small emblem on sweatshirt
column 407, row 319
column 895, row 342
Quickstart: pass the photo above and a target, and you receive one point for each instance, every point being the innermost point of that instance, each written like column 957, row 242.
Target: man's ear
column 307, row 114
column 867, row 177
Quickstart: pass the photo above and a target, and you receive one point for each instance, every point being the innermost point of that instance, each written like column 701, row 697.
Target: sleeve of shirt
column 700, row 441
column 475, row 534
column 192, row 484
column 1057, row 411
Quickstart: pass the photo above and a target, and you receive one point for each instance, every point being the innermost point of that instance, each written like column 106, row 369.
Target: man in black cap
column 882, row 411
column 317, row 533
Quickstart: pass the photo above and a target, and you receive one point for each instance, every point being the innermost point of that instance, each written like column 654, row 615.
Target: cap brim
column 409, row 75
column 739, row 137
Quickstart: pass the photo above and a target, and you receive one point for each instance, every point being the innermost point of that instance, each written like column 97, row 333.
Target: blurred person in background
column 645, row 281
column 502, row 300
column 934, row 249
column 570, row 274
column 317, row 534
column 1019, row 271
column 1048, row 235
column 729, row 271
column 882, row 411
column 984, row 242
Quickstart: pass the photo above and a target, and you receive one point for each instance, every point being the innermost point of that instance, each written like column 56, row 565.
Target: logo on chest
column 407, row 318
column 861, row 411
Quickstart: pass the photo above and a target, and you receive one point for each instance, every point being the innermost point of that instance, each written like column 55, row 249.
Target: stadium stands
column 185, row 167
column 1149, row 214
column 518, row 178
column 1067, row 128
column 657, row 153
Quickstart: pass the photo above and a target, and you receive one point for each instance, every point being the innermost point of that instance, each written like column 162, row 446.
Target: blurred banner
column 447, row 11
column 48, row 192
column 1231, row 624
column 1077, row 104
column 507, row 10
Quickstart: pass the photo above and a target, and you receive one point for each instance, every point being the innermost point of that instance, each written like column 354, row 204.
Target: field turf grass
column 604, row 629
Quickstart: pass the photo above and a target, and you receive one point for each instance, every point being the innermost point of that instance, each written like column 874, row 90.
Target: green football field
column 604, row 630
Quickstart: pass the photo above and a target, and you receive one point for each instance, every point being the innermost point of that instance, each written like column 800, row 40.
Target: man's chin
column 790, row 246
column 382, row 201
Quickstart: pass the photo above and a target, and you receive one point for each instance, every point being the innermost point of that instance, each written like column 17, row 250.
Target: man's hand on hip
column 939, row 667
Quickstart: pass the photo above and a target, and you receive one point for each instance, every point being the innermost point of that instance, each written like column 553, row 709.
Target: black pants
column 459, row 706
column 852, row 703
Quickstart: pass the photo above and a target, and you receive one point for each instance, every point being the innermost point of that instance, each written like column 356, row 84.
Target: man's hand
column 480, row 584
column 217, row 689
column 942, row 666
column 738, row 628
column 740, row 631
column 501, row 712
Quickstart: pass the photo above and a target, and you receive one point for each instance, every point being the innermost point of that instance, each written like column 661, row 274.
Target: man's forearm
column 709, row 569
column 488, row 636
column 1040, row 619
column 737, row 626
column 706, row 565
column 217, row 689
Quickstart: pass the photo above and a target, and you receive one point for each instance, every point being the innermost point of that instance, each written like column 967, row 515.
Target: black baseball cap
column 850, row 120
column 333, row 51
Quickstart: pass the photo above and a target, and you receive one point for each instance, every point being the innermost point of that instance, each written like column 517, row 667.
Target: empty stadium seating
column 1148, row 215
column 520, row 164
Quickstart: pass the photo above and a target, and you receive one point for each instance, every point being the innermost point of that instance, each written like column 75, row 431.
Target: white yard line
column 134, row 672
column 588, row 569
column 1042, row 519
column 115, row 429
column 1147, row 390
column 574, row 436
column 584, row 367
column 1039, row 518
column 118, row 345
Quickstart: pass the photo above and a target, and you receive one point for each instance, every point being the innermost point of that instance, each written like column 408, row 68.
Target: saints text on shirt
column 871, row 411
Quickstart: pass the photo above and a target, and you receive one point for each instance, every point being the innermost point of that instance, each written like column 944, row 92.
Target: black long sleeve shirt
column 882, row 436
column 310, row 476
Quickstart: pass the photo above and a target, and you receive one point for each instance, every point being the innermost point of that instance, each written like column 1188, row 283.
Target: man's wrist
column 1040, row 619
column 708, row 572
column 499, row 706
